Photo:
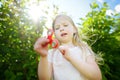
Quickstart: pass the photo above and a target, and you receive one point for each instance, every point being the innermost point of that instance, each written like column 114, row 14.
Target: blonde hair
column 77, row 41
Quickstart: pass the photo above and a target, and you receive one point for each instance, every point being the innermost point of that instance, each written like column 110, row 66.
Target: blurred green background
column 18, row 33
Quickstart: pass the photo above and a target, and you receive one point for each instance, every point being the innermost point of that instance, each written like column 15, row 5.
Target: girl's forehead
column 61, row 20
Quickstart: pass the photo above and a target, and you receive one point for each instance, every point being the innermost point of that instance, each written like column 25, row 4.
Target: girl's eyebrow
column 57, row 25
column 65, row 23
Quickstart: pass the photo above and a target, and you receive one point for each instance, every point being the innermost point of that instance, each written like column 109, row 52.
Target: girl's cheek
column 57, row 33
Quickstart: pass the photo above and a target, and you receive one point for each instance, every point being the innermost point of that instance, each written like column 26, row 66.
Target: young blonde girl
column 72, row 60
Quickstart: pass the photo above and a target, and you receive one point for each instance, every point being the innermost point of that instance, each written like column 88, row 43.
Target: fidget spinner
column 53, row 42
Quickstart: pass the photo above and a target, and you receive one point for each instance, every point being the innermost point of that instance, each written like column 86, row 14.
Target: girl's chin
column 65, row 41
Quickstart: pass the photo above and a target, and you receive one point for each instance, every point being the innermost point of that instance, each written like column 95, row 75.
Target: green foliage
column 18, row 33
column 103, row 34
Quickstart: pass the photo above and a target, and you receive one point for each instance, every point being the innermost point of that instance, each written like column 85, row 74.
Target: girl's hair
column 77, row 41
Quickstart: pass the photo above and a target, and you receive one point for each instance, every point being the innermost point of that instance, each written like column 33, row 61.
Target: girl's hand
column 41, row 47
column 65, row 52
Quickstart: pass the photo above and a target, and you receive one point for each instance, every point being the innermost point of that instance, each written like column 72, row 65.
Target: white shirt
column 63, row 69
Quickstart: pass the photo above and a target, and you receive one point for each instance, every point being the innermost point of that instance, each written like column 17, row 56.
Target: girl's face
column 63, row 30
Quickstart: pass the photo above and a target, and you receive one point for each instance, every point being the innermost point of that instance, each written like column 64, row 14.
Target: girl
column 72, row 60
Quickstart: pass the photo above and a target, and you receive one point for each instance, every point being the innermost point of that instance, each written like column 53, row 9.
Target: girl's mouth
column 63, row 34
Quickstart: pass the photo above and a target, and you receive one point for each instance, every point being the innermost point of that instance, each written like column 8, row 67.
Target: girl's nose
column 62, row 29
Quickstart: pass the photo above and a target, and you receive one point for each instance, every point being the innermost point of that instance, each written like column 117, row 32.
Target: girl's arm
column 44, row 69
column 88, row 68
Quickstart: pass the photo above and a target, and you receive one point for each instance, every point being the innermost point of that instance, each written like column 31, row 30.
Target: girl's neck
column 69, row 44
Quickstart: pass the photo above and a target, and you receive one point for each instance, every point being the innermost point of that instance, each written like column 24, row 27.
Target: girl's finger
column 62, row 50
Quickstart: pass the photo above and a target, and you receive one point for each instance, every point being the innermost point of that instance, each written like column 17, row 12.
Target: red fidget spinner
column 53, row 42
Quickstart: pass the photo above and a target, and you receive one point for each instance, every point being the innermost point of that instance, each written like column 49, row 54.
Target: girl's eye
column 65, row 25
column 57, row 28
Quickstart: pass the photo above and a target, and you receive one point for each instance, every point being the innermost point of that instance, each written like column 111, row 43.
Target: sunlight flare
column 117, row 8
column 36, row 10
